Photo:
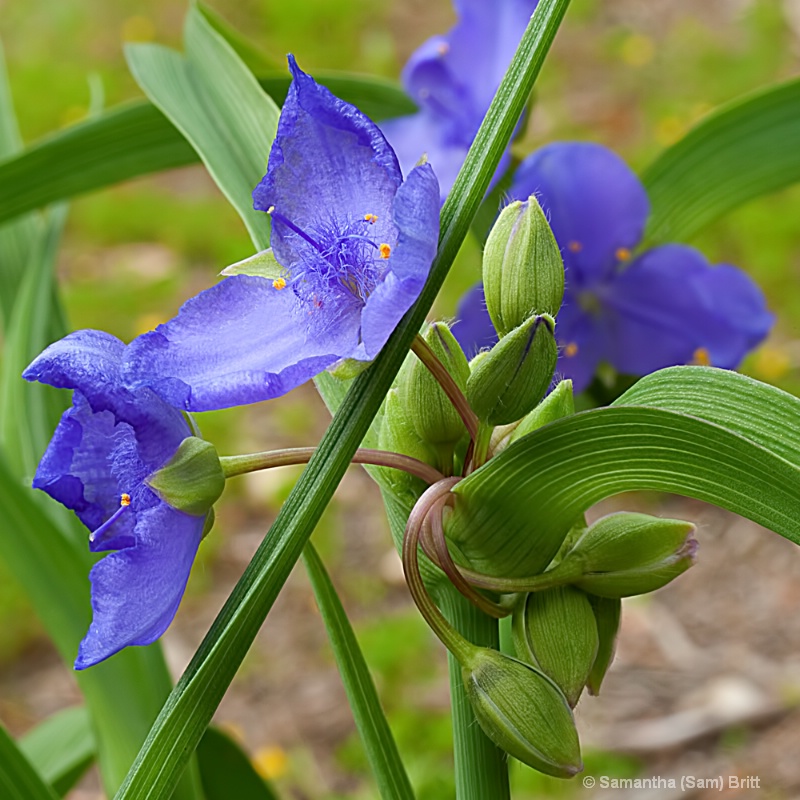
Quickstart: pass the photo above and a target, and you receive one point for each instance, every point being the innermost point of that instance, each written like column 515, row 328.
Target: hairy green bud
column 507, row 382
column 523, row 712
column 523, row 272
column 427, row 406
column 192, row 480
column 625, row 554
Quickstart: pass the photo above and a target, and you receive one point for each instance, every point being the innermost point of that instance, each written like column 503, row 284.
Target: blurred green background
column 632, row 74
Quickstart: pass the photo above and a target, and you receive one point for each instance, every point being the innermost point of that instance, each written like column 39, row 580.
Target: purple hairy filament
column 340, row 262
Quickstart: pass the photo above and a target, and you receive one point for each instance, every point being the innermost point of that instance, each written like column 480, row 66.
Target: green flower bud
column 512, row 378
column 555, row 630
column 559, row 403
column 192, row 480
column 523, row 272
column 397, row 435
column 523, row 712
column 626, row 554
column 426, row 405
column 607, row 614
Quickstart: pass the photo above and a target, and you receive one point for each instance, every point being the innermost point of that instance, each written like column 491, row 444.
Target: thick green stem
column 481, row 766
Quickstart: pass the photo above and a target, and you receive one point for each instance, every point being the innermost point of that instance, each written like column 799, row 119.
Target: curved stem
column 239, row 465
column 558, row 576
column 450, row 638
column 446, row 563
column 423, row 352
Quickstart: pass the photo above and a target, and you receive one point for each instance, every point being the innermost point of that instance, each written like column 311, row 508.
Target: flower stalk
column 254, row 462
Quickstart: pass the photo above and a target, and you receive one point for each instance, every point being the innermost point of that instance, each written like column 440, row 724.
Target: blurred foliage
column 634, row 75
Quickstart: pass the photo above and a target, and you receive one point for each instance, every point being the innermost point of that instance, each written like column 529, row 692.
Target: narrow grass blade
column 376, row 736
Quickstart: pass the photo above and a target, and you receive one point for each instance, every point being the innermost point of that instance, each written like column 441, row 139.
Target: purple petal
column 425, row 134
column 473, row 326
column 239, row 342
column 582, row 343
column 75, row 469
column 596, row 205
column 136, row 591
column 738, row 319
column 86, row 360
column 661, row 310
column 328, row 160
column 416, row 214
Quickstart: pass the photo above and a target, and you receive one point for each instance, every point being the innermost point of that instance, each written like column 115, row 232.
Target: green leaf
column 191, row 705
column 137, row 139
column 61, row 748
column 200, row 90
column 562, row 469
column 18, row 779
column 744, row 149
column 226, row 772
column 759, row 412
column 376, row 736
column 29, row 412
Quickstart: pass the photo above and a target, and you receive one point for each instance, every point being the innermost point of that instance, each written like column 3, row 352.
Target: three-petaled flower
column 453, row 79
column 355, row 243
column 640, row 313
column 102, row 452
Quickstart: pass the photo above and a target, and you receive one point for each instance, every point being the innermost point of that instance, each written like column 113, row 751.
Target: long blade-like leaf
column 560, row 470
column 18, row 779
column 137, row 139
column 200, row 90
column 744, row 149
column 61, row 748
column 190, row 707
column 376, row 736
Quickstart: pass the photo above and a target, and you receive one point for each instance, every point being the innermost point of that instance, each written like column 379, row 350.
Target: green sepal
column 513, row 377
column 348, row 368
column 607, row 614
column 626, row 554
column 555, row 630
column 523, row 272
column 192, row 480
column 261, row 265
column 430, row 411
column 523, row 712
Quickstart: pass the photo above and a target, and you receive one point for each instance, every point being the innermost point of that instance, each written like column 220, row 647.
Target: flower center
column 100, row 533
column 339, row 260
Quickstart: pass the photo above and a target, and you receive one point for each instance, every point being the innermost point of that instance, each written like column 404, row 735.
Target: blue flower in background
column 355, row 243
column 102, row 451
column 640, row 313
column 453, row 79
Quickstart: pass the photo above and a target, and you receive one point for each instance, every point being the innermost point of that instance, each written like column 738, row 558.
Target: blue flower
column 662, row 307
column 355, row 243
column 103, row 449
column 453, row 79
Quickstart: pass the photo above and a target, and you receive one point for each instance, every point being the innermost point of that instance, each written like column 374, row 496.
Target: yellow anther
column 270, row 209
column 279, row 283
column 701, row 357
column 622, row 254
column 571, row 350
column 443, row 49
column 371, row 218
column 125, row 500
column 386, row 250
column 575, row 247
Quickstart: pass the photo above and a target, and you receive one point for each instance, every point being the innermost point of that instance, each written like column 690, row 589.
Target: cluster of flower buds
column 561, row 586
